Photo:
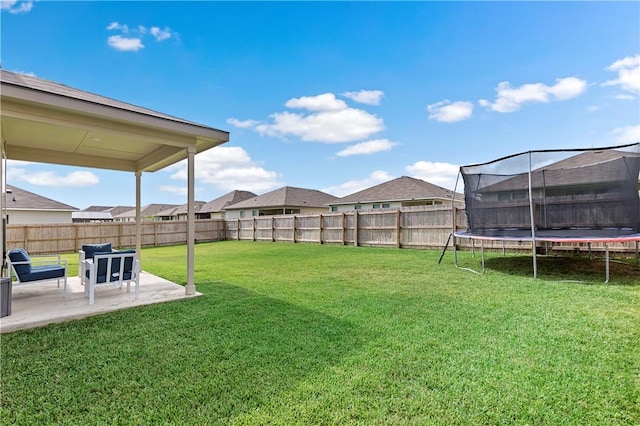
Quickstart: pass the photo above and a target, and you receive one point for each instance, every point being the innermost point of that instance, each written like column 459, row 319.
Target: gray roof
column 219, row 204
column 181, row 209
column 113, row 210
column 36, row 83
column 287, row 196
column 19, row 199
column 147, row 211
column 587, row 168
column 404, row 188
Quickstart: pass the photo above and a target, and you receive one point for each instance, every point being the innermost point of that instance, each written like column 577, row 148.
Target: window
column 376, row 206
column 386, row 205
column 254, row 212
column 334, row 208
column 357, row 207
column 241, row 213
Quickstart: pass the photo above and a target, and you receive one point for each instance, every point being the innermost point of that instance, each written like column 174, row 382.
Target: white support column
column 190, row 288
column 3, row 209
column 138, row 214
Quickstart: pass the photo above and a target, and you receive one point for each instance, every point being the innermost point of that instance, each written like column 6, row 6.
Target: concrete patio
column 35, row 305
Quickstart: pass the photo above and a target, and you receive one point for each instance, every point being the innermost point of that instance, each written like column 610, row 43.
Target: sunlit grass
column 309, row 334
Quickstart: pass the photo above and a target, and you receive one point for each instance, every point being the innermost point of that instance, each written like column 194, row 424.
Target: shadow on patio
column 35, row 305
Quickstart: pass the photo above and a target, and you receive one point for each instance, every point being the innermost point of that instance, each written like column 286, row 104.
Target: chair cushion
column 101, row 273
column 20, row 255
column 90, row 250
column 45, row 272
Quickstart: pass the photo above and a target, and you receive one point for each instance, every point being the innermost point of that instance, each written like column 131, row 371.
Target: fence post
column 355, row 229
column 253, row 228
column 320, row 231
column 272, row 229
column 398, row 236
column 294, row 228
column 344, row 231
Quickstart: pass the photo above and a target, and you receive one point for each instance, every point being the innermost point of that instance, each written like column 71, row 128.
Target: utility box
column 5, row 297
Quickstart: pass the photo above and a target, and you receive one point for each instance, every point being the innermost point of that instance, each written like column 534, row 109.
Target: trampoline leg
column 535, row 261
column 473, row 248
column 589, row 245
column 606, row 261
column 637, row 254
column 455, row 252
column 482, row 251
column 503, row 250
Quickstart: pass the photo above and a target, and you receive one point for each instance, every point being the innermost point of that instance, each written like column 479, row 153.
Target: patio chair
column 87, row 252
column 33, row 269
column 111, row 268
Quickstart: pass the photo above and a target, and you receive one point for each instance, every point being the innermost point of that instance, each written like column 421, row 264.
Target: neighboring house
column 215, row 209
column 91, row 217
column 397, row 193
column 147, row 213
column 24, row 207
column 285, row 200
column 180, row 212
column 99, row 213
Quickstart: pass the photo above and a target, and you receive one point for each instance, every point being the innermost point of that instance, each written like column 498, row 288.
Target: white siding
column 24, row 217
column 367, row 206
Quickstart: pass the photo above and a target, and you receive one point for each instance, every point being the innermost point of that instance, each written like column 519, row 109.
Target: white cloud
column 628, row 70
column 15, row 7
column 124, row 43
column 324, row 102
column 331, row 121
column 228, row 168
column 352, row 186
column 131, row 39
column 161, row 34
column 116, row 26
column 369, row 97
column 450, row 112
column 369, row 147
column 624, row 97
column 510, row 99
column 437, row 173
column 628, row 134
column 23, row 173
column 175, row 190
column 242, row 124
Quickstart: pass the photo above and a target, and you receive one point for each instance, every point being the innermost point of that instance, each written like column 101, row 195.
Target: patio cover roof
column 47, row 122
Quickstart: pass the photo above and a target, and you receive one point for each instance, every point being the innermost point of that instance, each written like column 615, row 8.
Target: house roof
column 19, row 199
column 220, row 203
column 49, row 122
column 404, row 188
column 181, row 209
column 586, row 168
column 287, row 196
column 146, row 211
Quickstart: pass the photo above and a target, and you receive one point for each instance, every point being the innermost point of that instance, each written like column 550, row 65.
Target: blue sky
column 335, row 96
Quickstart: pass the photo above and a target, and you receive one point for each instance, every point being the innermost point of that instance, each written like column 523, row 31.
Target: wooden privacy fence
column 61, row 238
column 427, row 227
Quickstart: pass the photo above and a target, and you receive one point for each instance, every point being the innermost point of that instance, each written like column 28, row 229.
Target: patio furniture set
column 98, row 265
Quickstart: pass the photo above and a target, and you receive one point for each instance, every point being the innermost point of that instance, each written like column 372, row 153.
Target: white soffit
column 46, row 122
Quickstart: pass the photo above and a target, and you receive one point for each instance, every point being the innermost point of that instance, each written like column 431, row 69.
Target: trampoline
column 588, row 195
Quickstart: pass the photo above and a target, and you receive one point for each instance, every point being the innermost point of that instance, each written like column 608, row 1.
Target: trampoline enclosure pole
column 533, row 223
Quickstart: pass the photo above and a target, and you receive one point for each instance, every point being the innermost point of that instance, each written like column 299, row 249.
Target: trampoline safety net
column 576, row 192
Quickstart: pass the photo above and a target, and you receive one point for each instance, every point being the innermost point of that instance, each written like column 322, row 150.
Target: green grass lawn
column 306, row 334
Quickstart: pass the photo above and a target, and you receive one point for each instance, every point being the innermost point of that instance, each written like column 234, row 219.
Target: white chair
column 32, row 269
column 111, row 269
